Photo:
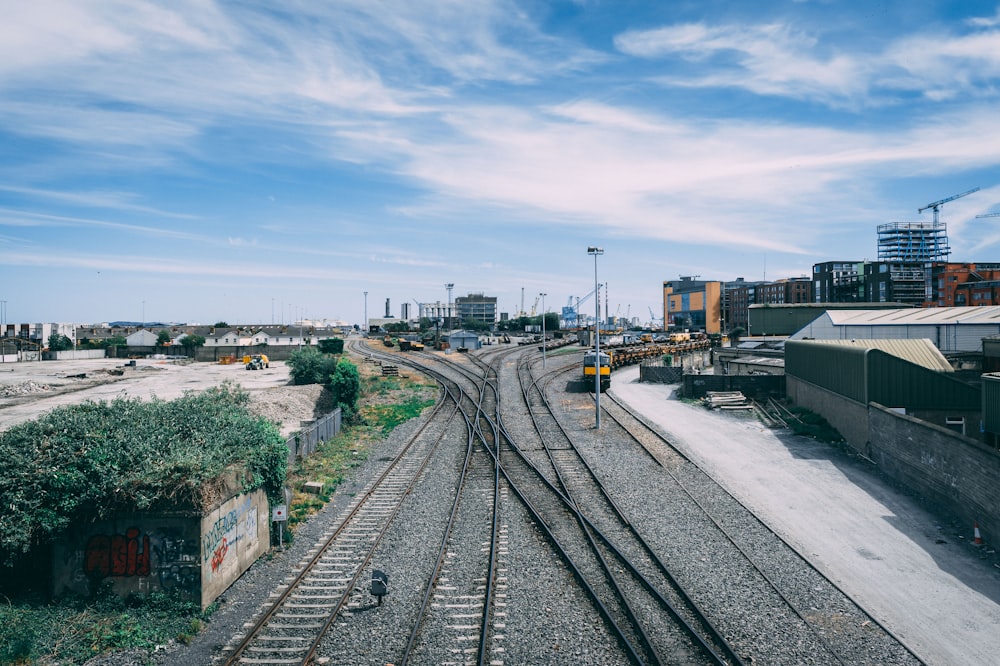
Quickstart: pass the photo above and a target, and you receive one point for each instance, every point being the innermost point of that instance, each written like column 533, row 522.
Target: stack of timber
column 726, row 400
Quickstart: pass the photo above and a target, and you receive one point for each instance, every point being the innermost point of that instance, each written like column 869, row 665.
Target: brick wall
column 958, row 475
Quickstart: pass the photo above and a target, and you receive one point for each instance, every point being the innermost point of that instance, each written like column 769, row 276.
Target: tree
column 59, row 342
column 221, row 324
column 163, row 338
column 310, row 366
column 116, row 341
column 472, row 324
column 192, row 342
column 345, row 384
column 331, row 346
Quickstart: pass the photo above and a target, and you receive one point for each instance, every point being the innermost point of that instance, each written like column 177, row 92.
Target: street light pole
column 543, row 330
column 364, row 331
column 596, row 251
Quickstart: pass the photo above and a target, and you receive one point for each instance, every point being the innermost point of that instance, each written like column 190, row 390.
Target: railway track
column 506, row 458
column 290, row 630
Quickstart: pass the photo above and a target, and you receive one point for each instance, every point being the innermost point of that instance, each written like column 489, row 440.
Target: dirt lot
column 28, row 390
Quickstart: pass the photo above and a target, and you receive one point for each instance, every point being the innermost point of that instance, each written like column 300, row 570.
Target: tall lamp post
column 364, row 331
column 597, row 251
column 543, row 330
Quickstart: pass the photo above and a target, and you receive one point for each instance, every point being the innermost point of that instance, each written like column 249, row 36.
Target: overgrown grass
column 387, row 402
column 74, row 630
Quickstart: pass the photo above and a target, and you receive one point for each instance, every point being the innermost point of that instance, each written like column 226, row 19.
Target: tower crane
column 989, row 215
column 936, row 206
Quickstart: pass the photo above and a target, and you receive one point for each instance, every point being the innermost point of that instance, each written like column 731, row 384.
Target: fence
column 304, row 442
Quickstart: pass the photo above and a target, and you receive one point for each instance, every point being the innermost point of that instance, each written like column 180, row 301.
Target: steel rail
column 237, row 654
column 817, row 631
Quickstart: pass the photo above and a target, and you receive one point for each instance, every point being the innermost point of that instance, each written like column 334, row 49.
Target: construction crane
column 936, row 206
column 581, row 301
column 989, row 215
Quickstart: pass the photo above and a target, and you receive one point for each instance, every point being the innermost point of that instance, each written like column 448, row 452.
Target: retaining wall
column 958, row 475
column 848, row 417
column 196, row 555
column 696, row 386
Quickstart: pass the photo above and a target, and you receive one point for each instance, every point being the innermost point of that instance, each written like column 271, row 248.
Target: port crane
column 581, row 301
column 936, row 206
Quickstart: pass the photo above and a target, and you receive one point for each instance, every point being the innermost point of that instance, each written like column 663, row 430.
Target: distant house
column 142, row 338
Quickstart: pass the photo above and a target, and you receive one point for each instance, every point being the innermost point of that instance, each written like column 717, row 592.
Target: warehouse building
column 840, row 378
column 952, row 330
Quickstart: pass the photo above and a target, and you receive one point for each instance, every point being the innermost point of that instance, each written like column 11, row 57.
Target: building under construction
column 913, row 242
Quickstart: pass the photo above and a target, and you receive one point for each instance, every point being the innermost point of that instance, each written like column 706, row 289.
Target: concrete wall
column 958, row 475
column 660, row 374
column 273, row 353
column 233, row 536
column 198, row 556
column 696, row 386
column 138, row 553
column 849, row 417
column 72, row 354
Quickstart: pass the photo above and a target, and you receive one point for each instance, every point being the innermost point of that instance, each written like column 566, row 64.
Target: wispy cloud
column 781, row 59
column 122, row 201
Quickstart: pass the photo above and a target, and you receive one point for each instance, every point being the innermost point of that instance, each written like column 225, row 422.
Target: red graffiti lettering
column 118, row 554
column 220, row 555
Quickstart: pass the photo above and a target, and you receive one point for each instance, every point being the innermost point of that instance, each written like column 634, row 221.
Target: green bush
column 309, row 366
column 90, row 461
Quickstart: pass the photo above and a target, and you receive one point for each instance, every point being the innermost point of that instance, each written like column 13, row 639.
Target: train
column 589, row 370
column 619, row 354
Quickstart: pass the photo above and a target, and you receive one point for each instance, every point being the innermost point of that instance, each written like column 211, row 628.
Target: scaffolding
column 913, row 242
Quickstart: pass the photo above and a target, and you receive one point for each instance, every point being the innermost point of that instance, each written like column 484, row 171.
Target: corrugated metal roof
column 920, row 351
column 953, row 315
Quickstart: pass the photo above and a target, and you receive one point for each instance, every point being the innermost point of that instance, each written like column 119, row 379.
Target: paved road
column 933, row 589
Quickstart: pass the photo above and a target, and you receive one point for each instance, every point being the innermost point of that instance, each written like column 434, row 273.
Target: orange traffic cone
column 976, row 537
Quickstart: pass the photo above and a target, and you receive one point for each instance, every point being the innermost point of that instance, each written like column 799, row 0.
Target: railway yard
column 510, row 531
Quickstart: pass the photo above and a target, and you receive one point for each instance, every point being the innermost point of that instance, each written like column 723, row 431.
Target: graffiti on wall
column 117, row 555
column 161, row 555
column 178, row 567
column 221, row 539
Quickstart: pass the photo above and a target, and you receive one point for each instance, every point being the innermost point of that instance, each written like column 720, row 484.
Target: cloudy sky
column 197, row 161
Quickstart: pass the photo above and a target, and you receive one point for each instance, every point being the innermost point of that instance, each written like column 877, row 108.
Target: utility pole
column 449, row 286
column 597, row 251
column 543, row 330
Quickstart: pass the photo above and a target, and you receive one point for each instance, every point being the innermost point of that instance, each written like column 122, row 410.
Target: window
column 956, row 423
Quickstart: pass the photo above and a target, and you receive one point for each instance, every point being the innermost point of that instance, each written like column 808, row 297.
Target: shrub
column 92, row 460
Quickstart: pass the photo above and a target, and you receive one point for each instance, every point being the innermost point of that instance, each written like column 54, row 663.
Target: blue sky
column 196, row 161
